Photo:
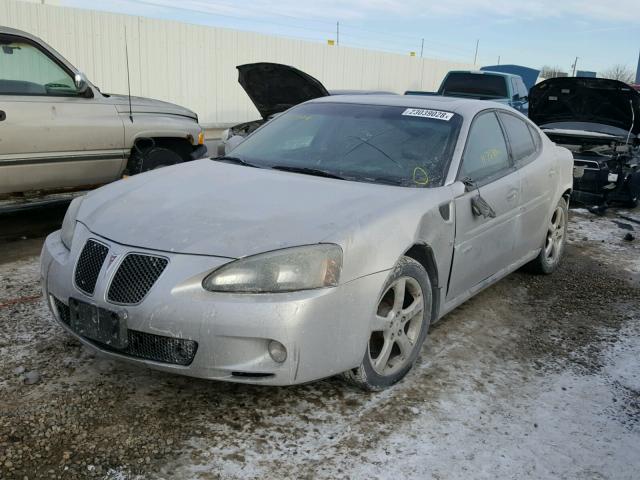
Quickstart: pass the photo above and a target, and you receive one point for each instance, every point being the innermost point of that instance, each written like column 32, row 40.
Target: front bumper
column 198, row 152
column 325, row 331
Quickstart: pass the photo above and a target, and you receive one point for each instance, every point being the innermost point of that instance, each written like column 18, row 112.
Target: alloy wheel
column 555, row 235
column 397, row 327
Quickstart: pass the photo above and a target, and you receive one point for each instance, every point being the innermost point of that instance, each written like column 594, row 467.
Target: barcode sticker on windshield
column 421, row 112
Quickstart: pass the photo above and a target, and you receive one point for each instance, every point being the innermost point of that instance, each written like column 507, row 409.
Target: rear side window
column 536, row 137
column 486, row 151
column 522, row 144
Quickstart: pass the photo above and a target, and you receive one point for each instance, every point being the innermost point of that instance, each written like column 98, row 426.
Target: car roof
column 19, row 33
column 462, row 106
column 486, row 72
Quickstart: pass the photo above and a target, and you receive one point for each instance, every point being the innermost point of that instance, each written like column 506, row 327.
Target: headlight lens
column 287, row 270
column 69, row 222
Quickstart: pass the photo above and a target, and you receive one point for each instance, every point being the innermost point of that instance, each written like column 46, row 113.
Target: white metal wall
column 194, row 65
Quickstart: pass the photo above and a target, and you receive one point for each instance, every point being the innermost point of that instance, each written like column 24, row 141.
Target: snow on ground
column 536, row 377
column 607, row 233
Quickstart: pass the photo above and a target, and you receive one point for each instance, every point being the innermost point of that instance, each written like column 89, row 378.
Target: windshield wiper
column 235, row 160
column 308, row 171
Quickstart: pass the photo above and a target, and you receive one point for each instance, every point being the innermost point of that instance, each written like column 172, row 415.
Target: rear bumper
column 325, row 331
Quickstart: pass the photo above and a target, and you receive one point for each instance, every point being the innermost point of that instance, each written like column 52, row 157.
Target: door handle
column 3, row 115
column 512, row 195
column 552, row 172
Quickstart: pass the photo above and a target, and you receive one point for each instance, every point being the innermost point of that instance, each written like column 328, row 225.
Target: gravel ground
column 536, row 377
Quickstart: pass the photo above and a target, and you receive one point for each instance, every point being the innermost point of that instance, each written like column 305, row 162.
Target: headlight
column 69, row 222
column 287, row 270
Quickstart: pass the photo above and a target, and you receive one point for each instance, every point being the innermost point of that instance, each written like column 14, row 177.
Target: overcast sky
column 532, row 33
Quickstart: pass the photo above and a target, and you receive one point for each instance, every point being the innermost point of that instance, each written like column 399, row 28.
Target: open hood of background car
column 274, row 88
column 587, row 100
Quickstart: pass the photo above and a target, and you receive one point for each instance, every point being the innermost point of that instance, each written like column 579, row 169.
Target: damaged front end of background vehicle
column 599, row 121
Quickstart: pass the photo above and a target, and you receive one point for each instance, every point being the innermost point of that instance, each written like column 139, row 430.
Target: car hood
column 586, row 100
column 274, row 88
column 219, row 209
column 149, row 105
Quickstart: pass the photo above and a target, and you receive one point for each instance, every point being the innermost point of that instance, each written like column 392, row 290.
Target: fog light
column 277, row 351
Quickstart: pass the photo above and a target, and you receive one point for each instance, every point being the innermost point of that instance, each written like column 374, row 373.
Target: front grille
column 135, row 277
column 89, row 266
column 176, row 351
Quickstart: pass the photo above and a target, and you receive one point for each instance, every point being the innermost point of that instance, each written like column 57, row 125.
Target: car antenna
column 126, row 54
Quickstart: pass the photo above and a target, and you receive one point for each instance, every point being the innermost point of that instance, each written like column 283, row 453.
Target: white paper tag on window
column 421, row 112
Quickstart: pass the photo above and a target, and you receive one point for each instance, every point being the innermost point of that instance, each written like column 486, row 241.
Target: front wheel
column 549, row 257
column 152, row 159
column 399, row 328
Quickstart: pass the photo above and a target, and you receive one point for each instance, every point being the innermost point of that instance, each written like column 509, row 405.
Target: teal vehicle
column 499, row 87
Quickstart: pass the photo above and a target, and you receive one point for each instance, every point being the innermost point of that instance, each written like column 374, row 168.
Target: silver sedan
column 326, row 242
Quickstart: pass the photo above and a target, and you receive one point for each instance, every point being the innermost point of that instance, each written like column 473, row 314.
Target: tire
column 399, row 328
column 151, row 159
column 555, row 239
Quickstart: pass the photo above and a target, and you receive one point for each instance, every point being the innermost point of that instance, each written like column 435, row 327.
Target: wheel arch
column 423, row 254
column 183, row 146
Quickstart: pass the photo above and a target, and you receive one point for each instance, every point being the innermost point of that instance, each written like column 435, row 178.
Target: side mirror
column 80, row 82
column 516, row 97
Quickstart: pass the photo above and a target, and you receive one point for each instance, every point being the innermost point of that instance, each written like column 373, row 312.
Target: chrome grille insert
column 135, row 276
column 89, row 266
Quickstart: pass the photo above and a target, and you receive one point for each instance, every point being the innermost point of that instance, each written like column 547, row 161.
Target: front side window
column 368, row 143
column 514, row 86
column 486, row 152
column 522, row 144
column 26, row 70
column 522, row 88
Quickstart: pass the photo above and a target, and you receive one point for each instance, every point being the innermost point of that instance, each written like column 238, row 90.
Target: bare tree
column 551, row 72
column 619, row 72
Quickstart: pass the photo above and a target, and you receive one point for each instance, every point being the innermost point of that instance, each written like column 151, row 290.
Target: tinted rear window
column 475, row 85
column 522, row 144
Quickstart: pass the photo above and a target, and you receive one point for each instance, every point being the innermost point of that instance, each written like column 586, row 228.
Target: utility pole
column 475, row 57
column 498, row 59
column 422, row 48
column 337, row 33
column 574, row 67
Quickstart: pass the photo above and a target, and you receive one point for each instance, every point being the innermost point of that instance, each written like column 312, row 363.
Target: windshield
column 475, row 85
column 369, row 143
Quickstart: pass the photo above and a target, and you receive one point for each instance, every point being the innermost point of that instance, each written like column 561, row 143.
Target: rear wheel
column 400, row 327
column 555, row 237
